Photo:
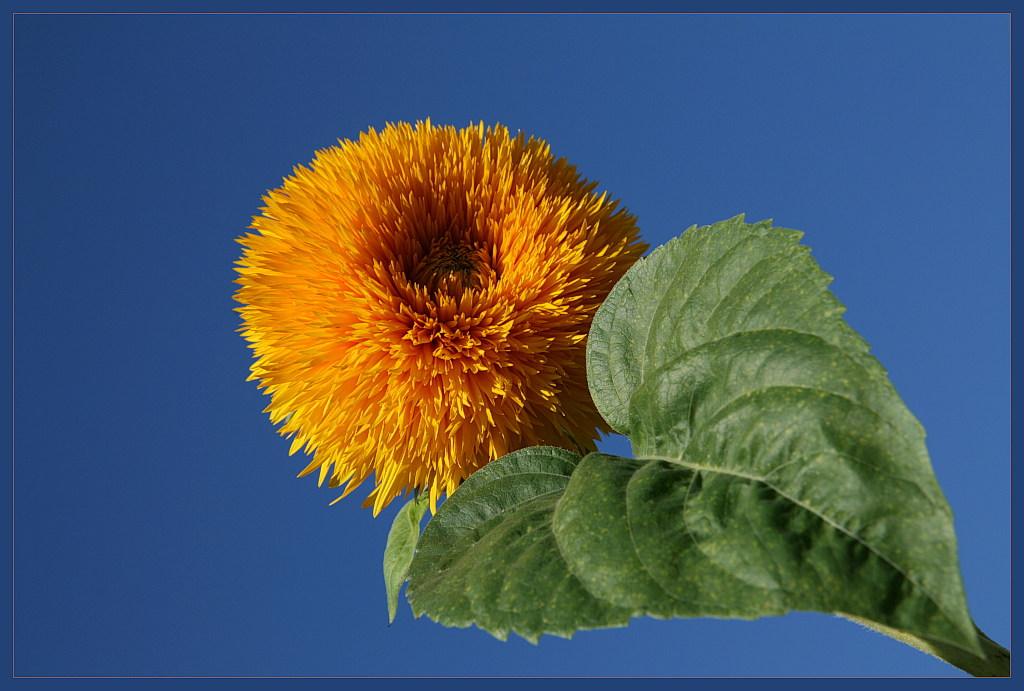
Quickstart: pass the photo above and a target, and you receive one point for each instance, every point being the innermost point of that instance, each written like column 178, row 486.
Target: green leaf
column 401, row 546
column 792, row 463
column 488, row 557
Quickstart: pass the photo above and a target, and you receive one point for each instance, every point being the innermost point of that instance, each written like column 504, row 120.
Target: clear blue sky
column 158, row 525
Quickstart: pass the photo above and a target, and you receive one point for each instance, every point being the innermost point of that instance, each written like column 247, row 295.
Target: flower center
column 449, row 266
column 459, row 337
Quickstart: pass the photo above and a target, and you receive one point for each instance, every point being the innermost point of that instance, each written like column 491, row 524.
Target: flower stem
column 994, row 663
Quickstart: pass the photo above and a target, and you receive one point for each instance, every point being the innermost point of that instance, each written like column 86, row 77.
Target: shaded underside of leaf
column 741, row 546
column 614, row 561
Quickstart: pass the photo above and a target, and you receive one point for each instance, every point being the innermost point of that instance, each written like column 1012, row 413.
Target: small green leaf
column 401, row 546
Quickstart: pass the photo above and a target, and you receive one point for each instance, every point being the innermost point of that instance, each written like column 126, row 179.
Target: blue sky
column 159, row 529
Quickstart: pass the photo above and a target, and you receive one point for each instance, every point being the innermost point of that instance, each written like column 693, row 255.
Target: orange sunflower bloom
column 418, row 303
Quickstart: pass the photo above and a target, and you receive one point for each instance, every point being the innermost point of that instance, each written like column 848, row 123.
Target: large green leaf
column 777, row 468
column 792, row 455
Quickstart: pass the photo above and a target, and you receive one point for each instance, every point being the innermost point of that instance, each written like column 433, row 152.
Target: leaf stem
column 994, row 663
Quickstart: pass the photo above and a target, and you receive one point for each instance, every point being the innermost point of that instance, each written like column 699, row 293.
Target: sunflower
column 418, row 303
